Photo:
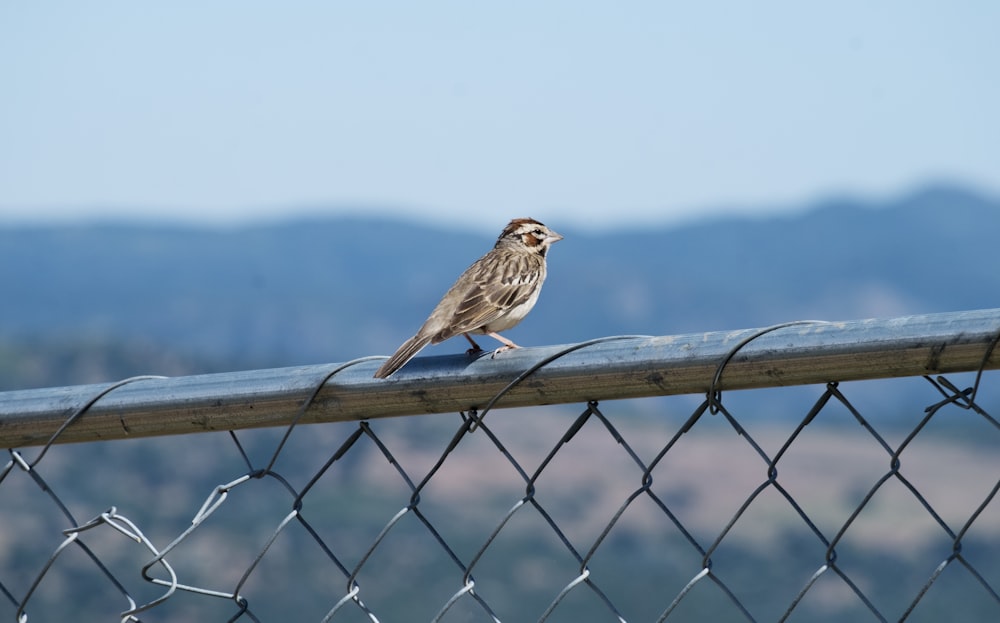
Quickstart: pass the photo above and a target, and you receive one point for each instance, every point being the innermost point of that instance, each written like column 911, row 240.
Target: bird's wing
column 485, row 297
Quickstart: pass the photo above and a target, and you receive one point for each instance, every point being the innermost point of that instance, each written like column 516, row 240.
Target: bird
column 494, row 294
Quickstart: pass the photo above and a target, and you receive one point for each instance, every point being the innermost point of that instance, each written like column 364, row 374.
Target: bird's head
column 528, row 232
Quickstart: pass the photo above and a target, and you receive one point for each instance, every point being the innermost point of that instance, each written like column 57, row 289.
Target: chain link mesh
column 839, row 502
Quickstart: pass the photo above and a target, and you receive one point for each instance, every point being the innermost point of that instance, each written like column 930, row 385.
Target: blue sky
column 572, row 112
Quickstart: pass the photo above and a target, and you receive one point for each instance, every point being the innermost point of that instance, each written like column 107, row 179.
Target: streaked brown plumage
column 492, row 295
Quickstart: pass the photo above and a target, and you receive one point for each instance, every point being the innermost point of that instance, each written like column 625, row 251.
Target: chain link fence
column 839, row 500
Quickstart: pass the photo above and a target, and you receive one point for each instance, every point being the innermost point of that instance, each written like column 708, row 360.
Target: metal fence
column 622, row 479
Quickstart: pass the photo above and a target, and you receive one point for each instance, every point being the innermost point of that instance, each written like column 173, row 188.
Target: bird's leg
column 475, row 347
column 507, row 344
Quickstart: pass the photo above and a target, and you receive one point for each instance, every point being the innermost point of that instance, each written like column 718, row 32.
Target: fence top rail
column 619, row 367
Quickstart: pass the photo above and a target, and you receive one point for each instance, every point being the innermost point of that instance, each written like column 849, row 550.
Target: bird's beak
column 554, row 237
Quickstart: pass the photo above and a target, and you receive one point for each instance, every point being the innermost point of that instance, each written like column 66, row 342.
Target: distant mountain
column 106, row 301
column 309, row 291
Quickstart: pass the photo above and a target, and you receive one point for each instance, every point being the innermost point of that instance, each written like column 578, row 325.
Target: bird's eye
column 538, row 232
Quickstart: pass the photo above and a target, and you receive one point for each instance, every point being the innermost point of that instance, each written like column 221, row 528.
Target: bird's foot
column 475, row 350
column 503, row 348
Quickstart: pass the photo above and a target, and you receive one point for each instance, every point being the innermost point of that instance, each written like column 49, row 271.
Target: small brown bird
column 492, row 295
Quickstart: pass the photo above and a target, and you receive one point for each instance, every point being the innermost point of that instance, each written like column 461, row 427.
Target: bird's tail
column 405, row 352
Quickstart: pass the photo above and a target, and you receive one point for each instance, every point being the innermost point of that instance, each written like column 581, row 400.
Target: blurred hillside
column 96, row 302
column 89, row 303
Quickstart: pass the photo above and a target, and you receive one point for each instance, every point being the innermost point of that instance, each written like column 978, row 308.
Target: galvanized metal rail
column 619, row 367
